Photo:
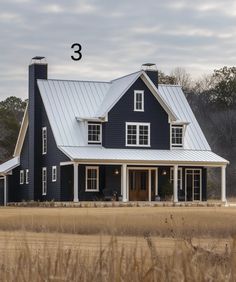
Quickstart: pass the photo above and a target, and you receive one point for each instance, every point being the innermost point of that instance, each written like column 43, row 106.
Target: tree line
column 212, row 99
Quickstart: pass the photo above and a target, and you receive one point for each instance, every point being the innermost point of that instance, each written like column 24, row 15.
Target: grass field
column 118, row 244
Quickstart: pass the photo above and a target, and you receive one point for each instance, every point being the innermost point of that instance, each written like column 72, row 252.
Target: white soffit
column 90, row 153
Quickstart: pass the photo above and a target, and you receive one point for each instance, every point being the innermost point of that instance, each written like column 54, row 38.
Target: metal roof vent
column 38, row 60
column 149, row 67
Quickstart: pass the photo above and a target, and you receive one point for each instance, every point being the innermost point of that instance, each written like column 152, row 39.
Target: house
column 131, row 138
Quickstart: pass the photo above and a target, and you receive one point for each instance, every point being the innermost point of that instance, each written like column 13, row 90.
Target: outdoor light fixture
column 116, row 171
column 163, row 172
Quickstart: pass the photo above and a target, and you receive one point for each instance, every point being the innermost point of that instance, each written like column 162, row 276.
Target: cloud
column 116, row 37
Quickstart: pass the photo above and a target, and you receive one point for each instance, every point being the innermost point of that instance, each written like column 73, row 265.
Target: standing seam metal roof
column 65, row 101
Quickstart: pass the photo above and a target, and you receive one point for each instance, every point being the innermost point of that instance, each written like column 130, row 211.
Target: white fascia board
column 154, row 91
column 22, row 133
column 95, row 119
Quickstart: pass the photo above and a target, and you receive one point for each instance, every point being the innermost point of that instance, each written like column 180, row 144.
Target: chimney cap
column 38, row 60
column 149, row 66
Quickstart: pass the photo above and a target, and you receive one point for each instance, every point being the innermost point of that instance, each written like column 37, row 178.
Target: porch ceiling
column 144, row 156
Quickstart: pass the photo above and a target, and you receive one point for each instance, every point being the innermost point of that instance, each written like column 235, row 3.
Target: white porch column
column 5, row 190
column 175, row 186
column 124, row 182
column 223, row 183
column 76, row 198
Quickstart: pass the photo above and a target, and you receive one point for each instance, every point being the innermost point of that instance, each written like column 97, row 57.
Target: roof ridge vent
column 149, row 67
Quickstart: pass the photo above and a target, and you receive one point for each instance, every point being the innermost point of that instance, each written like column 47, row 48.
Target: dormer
column 177, row 134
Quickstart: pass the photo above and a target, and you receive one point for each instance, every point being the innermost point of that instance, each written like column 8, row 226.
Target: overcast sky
column 116, row 36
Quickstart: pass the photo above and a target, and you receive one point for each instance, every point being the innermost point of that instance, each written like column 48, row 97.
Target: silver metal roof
column 9, row 165
column 144, row 155
column 66, row 102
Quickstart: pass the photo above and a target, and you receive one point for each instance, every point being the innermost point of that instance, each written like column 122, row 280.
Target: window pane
column 143, row 135
column 94, row 133
column 131, row 134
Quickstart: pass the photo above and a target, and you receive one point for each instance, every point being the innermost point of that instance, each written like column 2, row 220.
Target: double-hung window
column 138, row 134
column 26, row 176
column 44, row 140
column 92, row 179
column 22, row 177
column 54, row 174
column 94, row 133
column 44, row 181
column 177, row 136
column 138, row 101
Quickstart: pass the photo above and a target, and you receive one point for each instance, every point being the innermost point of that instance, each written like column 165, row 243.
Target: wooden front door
column 138, row 185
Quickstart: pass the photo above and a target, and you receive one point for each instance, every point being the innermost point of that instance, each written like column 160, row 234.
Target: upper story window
column 44, row 140
column 138, row 101
column 138, row 134
column 177, row 136
column 94, row 133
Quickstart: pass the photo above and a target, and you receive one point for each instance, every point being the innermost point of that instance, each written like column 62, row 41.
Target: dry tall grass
column 188, row 263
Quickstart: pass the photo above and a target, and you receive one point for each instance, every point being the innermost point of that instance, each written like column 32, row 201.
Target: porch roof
column 9, row 165
column 164, row 157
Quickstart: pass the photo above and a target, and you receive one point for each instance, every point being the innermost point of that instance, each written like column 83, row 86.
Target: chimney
column 152, row 72
column 38, row 69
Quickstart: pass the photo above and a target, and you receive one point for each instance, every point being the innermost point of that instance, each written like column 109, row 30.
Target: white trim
column 181, row 178
column 175, row 186
column 44, row 181
column 22, row 176
column 174, row 145
column 100, row 135
column 44, row 140
column 193, row 169
column 22, row 133
column 5, row 190
column 54, row 173
column 76, row 182
column 135, row 100
column 27, row 176
column 137, row 124
column 149, row 169
column 66, row 163
column 223, row 183
column 97, row 179
column 124, row 183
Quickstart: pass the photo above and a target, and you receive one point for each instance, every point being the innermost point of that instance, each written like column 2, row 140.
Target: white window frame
column 176, row 145
column 27, row 176
column 44, row 140
column 86, row 179
column 44, row 181
column 137, row 124
column 54, row 173
column 179, row 179
column 94, row 142
column 135, row 100
column 22, row 176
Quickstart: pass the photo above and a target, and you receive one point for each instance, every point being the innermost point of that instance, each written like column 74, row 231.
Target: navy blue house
column 130, row 138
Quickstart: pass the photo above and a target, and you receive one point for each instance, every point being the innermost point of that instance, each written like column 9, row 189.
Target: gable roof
column 66, row 102
column 9, row 165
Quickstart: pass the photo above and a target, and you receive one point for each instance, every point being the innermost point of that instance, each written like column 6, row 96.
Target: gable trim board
column 8, row 166
column 22, row 133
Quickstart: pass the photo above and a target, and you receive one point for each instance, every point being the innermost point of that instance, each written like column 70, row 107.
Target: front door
column 193, row 185
column 138, row 185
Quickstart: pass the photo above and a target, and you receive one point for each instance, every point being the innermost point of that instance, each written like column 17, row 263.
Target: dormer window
column 177, row 136
column 94, row 133
column 138, row 101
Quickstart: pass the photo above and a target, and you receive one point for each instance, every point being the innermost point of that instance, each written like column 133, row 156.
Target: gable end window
column 138, row 101
column 44, row 140
column 44, row 181
column 92, row 179
column 94, row 133
column 22, row 177
column 26, row 176
column 138, row 134
column 54, row 174
column 177, row 136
